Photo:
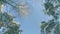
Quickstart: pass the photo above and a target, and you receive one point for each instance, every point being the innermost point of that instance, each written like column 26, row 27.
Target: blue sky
column 31, row 24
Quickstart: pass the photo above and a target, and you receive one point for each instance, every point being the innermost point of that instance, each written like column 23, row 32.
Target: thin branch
column 9, row 4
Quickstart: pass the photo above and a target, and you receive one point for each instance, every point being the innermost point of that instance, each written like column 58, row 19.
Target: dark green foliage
column 50, row 12
column 48, row 5
column 43, row 24
column 49, row 8
column 6, row 20
column 53, row 25
column 13, row 29
column 57, row 29
column 50, row 25
column 58, row 1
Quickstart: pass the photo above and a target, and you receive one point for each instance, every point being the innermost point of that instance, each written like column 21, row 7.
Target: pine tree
column 6, row 20
column 53, row 25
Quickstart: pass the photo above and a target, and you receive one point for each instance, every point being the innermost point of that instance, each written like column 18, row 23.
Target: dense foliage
column 7, row 21
column 52, row 26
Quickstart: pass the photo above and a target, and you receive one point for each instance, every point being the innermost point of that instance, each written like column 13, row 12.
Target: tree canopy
column 53, row 25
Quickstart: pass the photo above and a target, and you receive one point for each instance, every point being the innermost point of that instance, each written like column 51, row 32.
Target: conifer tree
column 52, row 8
column 7, row 21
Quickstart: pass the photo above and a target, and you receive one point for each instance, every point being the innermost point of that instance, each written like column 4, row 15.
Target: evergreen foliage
column 53, row 25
